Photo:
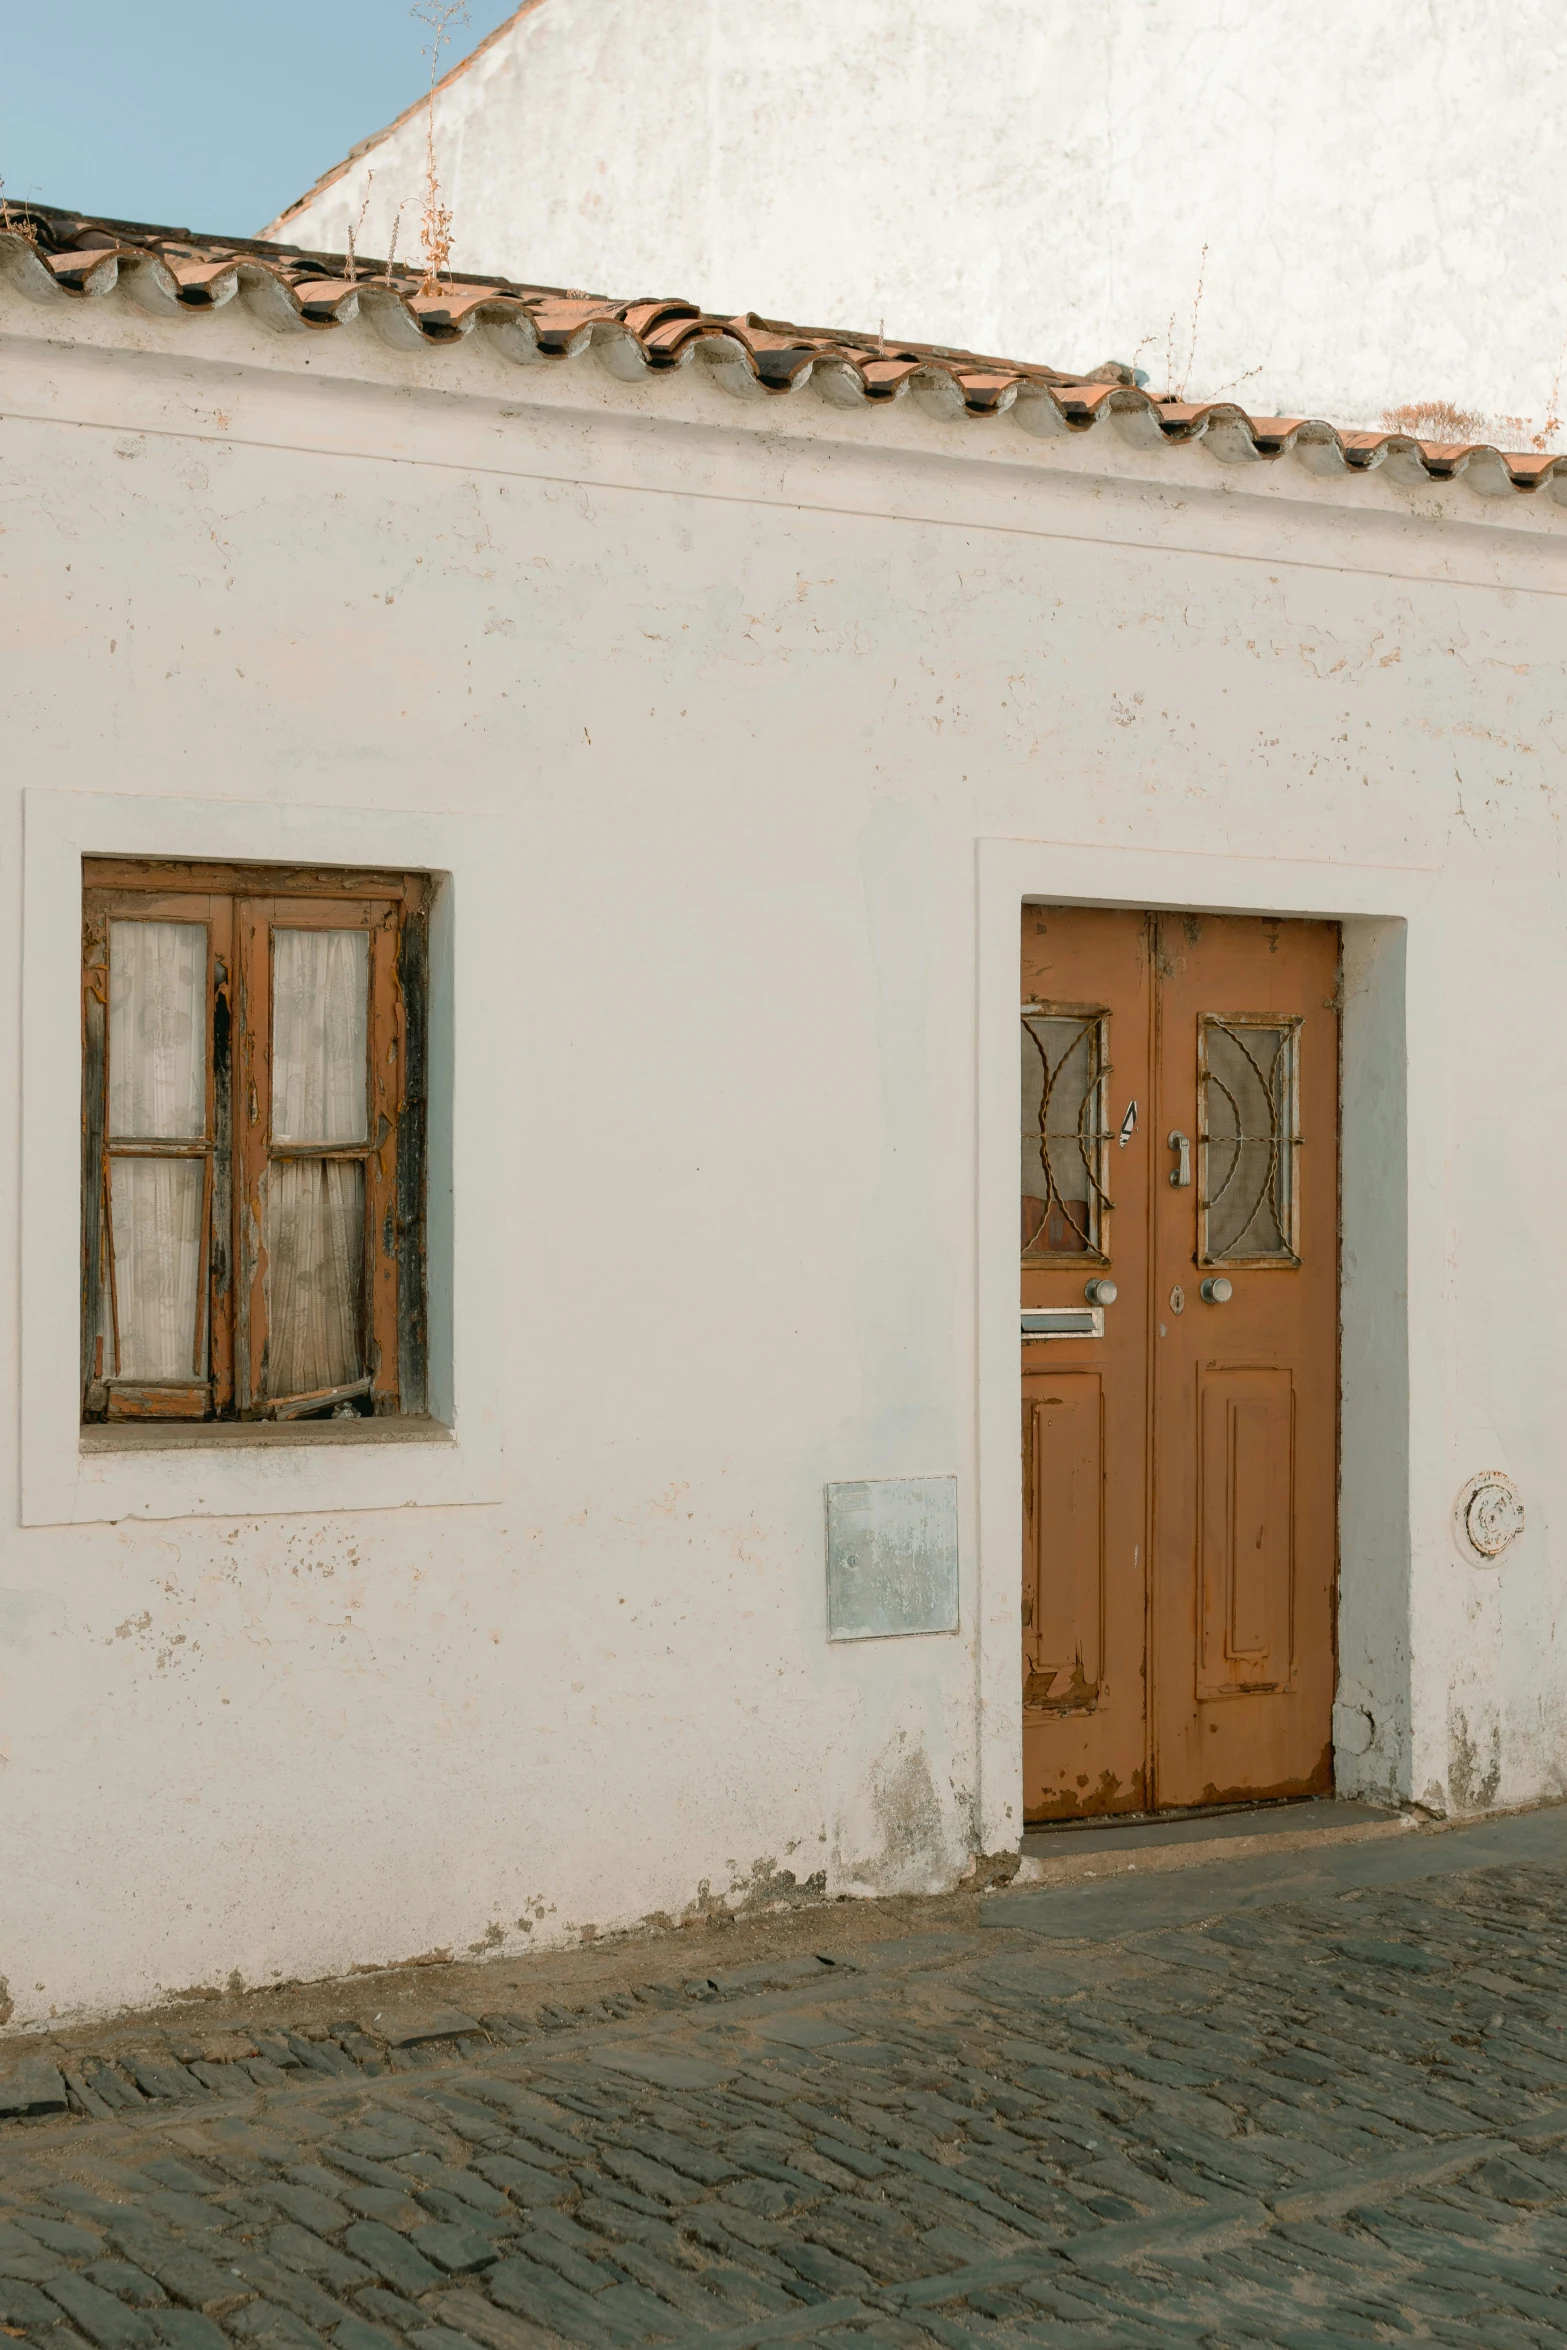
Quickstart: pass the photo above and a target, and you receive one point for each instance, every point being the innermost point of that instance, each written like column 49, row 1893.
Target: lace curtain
column 315, row 1223
column 320, row 1010
column 313, row 1211
column 157, row 1093
column 157, row 1031
column 314, row 1214
column 156, row 1206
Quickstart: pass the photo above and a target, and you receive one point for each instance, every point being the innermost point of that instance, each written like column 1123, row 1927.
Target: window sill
column 230, row 1435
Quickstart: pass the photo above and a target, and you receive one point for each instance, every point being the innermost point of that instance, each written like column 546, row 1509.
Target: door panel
column 1245, row 1423
column 1247, row 1531
column 1086, row 1034
column 1063, row 1482
column 1180, row 1464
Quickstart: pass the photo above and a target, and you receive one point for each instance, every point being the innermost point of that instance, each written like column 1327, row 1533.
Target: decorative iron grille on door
column 1066, row 1134
column 1249, row 1095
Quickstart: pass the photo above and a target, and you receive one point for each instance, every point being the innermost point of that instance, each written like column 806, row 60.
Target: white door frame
column 1393, row 1363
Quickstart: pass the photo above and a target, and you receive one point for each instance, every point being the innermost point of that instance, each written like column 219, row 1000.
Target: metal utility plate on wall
column 892, row 1557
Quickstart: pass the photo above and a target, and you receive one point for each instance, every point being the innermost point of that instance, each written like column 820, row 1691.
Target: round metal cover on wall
column 1489, row 1516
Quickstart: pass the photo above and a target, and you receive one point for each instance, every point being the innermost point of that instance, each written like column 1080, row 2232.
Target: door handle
column 1181, row 1172
column 1217, row 1291
column 1100, row 1293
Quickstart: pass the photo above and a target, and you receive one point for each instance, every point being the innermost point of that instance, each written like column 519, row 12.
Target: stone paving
column 1231, row 2107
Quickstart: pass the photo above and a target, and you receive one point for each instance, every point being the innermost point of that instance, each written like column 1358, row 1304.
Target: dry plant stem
column 1234, row 384
column 397, row 230
column 15, row 224
column 357, row 231
column 439, row 16
column 1177, row 390
column 1553, row 406
column 1441, row 421
column 1175, row 384
column 1433, row 420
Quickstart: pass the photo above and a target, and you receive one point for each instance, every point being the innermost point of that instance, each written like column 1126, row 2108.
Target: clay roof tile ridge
column 54, row 255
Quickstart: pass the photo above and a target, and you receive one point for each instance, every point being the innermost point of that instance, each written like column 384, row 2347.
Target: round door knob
column 1218, row 1291
column 1100, row 1293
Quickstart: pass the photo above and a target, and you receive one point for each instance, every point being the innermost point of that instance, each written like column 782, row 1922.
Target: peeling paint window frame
column 239, row 907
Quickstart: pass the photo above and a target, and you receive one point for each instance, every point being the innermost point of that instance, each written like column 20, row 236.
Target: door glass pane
column 1249, row 1139
column 157, row 1030
column 156, row 1207
column 314, row 1230
column 320, row 1007
column 1065, row 1143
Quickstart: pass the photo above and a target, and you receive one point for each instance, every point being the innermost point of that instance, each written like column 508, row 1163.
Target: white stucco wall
column 1377, row 188
column 735, row 693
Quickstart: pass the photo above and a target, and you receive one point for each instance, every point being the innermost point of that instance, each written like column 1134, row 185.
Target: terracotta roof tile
column 1086, row 399
column 196, row 278
column 886, row 375
column 60, row 256
column 983, row 388
column 1529, row 469
column 73, row 269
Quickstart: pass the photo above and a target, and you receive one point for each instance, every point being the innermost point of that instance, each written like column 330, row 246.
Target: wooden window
column 253, row 1132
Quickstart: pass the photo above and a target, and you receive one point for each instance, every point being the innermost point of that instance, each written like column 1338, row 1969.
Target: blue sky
column 202, row 113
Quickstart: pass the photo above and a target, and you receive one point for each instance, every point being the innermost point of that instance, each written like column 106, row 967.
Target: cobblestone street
column 1316, row 2099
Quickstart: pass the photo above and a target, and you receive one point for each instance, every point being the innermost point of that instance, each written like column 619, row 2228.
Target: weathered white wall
column 741, row 687
column 1377, row 187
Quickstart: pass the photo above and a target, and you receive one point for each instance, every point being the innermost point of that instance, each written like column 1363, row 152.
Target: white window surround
column 69, row 1477
column 1392, row 1475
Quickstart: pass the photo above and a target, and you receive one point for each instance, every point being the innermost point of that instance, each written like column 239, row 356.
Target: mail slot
column 1063, row 1321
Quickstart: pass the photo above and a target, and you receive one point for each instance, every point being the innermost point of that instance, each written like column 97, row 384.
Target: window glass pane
column 157, row 1030
column 315, row 1219
column 320, row 1005
column 1065, row 1169
column 1249, row 1140
column 156, row 1207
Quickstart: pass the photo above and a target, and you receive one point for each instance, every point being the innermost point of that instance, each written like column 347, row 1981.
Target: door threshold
column 1069, row 1851
column 1196, row 1818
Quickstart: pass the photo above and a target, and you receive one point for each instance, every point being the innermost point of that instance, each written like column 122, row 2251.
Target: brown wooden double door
column 1179, row 1232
